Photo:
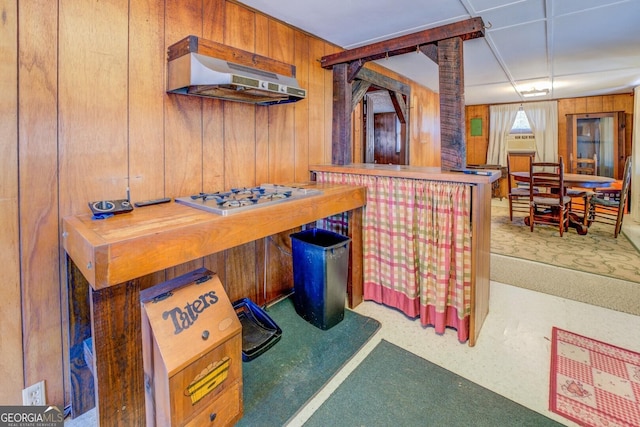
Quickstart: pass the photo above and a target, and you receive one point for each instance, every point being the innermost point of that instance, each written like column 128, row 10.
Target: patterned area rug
column 596, row 252
column 593, row 383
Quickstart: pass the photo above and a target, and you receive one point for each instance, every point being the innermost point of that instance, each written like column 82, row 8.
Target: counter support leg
column 117, row 342
column 80, row 376
column 355, row 284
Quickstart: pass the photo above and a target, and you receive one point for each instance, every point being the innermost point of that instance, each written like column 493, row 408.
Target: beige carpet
column 595, row 268
column 596, row 252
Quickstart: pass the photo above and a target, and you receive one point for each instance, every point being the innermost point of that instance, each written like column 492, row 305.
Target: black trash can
column 320, row 272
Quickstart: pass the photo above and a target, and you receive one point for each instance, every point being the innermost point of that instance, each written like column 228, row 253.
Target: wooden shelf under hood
column 194, row 44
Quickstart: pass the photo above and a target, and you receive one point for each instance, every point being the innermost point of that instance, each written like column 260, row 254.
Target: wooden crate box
column 192, row 352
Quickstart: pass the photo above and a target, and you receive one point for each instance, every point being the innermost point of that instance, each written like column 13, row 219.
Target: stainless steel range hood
column 203, row 75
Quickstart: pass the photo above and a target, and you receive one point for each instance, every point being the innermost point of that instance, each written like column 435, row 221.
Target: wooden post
column 341, row 145
column 355, row 285
column 117, row 345
column 453, row 152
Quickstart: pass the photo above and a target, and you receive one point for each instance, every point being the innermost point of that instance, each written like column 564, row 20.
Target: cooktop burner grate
column 240, row 199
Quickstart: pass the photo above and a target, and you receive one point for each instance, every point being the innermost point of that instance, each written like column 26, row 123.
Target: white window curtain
column 605, row 154
column 501, row 118
column 543, row 119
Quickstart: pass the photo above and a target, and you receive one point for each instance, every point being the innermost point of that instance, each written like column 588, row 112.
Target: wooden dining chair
column 608, row 205
column 518, row 192
column 583, row 165
column 580, row 196
column 549, row 204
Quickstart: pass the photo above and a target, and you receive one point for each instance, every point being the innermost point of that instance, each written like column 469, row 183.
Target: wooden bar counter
column 108, row 257
column 481, row 188
column 411, row 172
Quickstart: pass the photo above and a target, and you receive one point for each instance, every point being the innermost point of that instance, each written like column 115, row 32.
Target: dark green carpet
column 280, row 381
column 393, row 387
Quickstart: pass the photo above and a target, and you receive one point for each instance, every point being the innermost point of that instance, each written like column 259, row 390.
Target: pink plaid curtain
column 417, row 247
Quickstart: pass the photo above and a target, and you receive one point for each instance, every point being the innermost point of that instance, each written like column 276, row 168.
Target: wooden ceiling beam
column 431, row 51
column 354, row 69
column 399, row 106
column 359, row 89
column 382, row 81
column 466, row 30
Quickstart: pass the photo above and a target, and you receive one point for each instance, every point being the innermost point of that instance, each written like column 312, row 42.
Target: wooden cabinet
column 601, row 134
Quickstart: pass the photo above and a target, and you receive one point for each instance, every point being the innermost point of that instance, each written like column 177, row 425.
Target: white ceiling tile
column 477, row 69
column 500, row 93
column 524, row 49
column 581, row 45
column 572, row 6
column 484, row 5
column 592, row 84
column 513, row 14
column 416, row 67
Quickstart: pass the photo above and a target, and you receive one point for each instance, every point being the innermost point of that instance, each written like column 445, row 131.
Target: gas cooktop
column 241, row 199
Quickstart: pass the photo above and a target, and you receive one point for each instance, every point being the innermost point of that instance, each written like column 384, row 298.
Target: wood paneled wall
column 40, row 192
column 11, row 368
column 477, row 145
column 424, row 134
column 84, row 116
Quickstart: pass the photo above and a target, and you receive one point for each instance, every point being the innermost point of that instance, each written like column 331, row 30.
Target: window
column 521, row 124
column 521, row 137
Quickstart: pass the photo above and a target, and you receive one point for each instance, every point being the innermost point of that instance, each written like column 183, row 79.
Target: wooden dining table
column 573, row 180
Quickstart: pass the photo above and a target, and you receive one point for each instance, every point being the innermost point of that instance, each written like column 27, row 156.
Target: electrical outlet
column 34, row 395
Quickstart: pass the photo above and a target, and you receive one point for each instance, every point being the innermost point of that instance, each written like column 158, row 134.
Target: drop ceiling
column 573, row 48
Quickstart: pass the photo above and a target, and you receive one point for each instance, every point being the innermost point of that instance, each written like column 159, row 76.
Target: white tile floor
column 512, row 355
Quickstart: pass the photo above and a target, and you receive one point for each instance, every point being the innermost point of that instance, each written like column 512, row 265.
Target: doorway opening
column 383, row 109
column 384, row 134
